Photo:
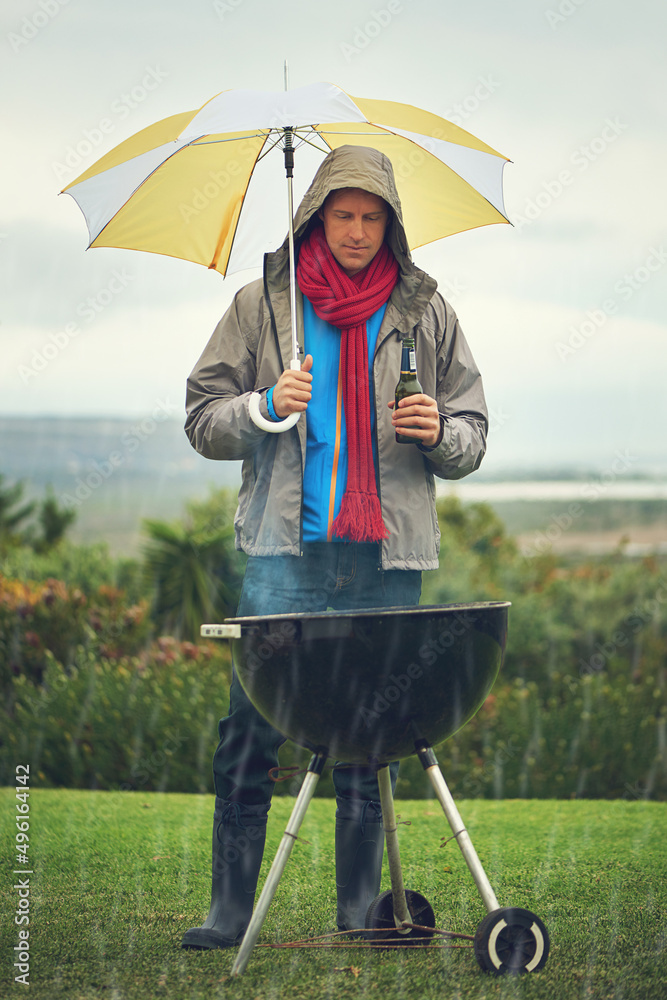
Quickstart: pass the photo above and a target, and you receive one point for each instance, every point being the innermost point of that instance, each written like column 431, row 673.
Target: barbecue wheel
column 380, row 919
column 511, row 940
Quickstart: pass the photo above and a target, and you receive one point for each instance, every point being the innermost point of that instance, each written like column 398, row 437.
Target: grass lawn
column 118, row 877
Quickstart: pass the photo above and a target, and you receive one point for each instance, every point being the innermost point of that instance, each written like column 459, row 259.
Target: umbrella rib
column 306, row 141
column 261, row 133
column 138, row 188
column 302, row 138
column 332, row 131
column 235, row 138
column 464, row 180
column 214, row 261
column 266, row 151
column 261, row 155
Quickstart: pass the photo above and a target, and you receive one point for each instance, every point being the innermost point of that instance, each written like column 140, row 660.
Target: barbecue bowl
column 366, row 686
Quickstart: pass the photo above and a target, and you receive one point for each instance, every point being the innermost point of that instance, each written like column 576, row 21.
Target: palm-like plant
column 12, row 512
column 194, row 569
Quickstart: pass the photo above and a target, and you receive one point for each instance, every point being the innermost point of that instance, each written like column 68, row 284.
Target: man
column 332, row 513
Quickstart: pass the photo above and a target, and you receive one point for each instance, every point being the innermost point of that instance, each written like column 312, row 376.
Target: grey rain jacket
column 251, row 346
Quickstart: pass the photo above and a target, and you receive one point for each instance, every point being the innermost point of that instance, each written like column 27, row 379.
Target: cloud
column 112, row 361
column 79, row 86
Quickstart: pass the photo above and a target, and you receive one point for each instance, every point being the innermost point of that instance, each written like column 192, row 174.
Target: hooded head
column 362, row 169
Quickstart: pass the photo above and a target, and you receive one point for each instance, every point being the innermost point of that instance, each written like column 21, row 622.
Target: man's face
column 354, row 226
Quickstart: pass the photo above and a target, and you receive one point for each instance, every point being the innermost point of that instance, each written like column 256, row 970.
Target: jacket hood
column 356, row 167
column 370, row 170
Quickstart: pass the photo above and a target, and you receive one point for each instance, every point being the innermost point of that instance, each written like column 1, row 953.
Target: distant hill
column 119, row 472
column 115, row 472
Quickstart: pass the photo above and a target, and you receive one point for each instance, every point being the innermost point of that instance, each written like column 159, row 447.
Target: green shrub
column 36, row 620
column 593, row 736
column 580, row 706
column 578, row 710
column 47, row 621
column 84, row 567
column 143, row 722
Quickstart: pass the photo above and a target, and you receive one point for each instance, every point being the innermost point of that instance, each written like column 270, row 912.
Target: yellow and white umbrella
column 200, row 185
column 203, row 185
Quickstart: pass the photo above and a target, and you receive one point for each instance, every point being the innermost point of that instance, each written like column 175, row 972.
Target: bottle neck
column 408, row 358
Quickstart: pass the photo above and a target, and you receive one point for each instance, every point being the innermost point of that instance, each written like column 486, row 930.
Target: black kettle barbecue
column 370, row 687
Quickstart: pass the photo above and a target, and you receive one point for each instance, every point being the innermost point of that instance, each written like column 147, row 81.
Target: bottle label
column 413, row 360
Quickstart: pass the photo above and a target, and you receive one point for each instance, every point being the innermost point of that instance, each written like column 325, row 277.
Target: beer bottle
column 408, row 383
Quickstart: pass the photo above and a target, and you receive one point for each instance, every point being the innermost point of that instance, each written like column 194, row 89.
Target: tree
column 12, row 512
column 16, row 526
column 475, row 553
column 54, row 521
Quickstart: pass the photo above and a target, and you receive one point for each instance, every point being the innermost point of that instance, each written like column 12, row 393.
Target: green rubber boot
column 239, row 832
column 359, row 848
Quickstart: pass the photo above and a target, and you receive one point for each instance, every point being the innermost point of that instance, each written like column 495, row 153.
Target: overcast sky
column 565, row 311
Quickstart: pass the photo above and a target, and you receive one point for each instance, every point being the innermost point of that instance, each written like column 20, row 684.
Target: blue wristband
column 269, row 403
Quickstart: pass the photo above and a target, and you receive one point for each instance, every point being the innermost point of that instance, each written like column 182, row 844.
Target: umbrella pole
column 295, row 364
column 278, row 426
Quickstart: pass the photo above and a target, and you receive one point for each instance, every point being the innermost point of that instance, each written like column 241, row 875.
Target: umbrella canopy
column 202, row 186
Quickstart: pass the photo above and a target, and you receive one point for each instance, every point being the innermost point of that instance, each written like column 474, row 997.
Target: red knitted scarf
column 347, row 303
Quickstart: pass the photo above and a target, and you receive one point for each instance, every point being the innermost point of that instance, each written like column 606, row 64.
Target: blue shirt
column 325, row 474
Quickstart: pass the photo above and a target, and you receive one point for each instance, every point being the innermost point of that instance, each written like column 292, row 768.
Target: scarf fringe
column 360, row 518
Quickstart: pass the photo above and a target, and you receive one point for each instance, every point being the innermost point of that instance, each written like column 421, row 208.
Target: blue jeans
column 341, row 576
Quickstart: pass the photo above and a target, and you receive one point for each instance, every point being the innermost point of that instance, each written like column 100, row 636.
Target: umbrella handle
column 272, row 426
